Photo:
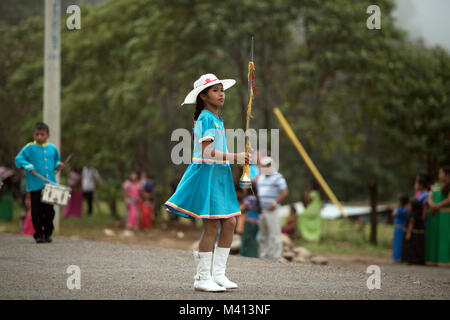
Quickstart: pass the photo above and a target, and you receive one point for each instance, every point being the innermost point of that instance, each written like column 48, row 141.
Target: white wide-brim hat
column 205, row 81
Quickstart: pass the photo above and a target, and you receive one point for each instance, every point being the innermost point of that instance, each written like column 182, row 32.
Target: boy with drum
column 43, row 158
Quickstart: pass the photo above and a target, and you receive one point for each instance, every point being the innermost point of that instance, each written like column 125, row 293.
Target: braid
column 200, row 104
column 446, row 188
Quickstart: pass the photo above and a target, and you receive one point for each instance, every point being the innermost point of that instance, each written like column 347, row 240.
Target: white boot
column 203, row 280
column 219, row 266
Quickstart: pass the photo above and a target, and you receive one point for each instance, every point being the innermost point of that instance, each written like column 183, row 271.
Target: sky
column 426, row 19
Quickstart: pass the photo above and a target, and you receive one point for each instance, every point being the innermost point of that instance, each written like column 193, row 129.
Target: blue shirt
column 209, row 127
column 401, row 215
column 44, row 159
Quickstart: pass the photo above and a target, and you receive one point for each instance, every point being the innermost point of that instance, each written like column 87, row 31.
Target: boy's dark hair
column 42, row 126
column 404, row 199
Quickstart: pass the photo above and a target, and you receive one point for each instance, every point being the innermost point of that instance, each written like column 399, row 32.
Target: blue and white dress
column 206, row 190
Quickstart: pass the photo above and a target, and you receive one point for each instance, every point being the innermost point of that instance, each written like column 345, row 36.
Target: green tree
column 366, row 104
column 21, row 65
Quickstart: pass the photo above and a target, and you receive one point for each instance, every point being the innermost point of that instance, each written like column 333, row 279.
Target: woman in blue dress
column 400, row 214
column 206, row 190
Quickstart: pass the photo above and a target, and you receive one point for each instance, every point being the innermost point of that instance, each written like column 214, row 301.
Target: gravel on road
column 118, row 271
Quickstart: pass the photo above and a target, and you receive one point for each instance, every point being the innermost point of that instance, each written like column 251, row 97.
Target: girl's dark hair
column 423, row 179
column 200, row 105
column 446, row 169
column 404, row 199
column 446, row 189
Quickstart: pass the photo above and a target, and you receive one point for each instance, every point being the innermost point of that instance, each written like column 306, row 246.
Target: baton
column 65, row 162
column 45, row 179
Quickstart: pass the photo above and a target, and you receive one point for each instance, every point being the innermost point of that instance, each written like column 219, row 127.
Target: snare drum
column 55, row 194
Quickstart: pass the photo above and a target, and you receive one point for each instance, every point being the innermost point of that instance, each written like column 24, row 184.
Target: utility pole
column 52, row 80
column 373, row 211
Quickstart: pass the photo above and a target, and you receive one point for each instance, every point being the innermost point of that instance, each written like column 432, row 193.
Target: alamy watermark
column 374, row 280
column 181, row 153
column 74, row 280
column 374, row 21
column 74, row 20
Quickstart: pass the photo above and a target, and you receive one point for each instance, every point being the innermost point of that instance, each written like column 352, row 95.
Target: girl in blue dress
column 206, row 190
column 400, row 214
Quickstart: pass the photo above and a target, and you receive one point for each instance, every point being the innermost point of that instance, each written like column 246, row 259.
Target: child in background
column 413, row 248
column 250, row 207
column 290, row 227
column 28, row 222
column 400, row 215
column 422, row 190
column 146, row 203
column 43, row 158
column 75, row 204
column 131, row 190
column 240, row 220
column 422, row 187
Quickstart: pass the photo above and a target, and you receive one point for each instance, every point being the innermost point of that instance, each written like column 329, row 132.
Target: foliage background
column 366, row 104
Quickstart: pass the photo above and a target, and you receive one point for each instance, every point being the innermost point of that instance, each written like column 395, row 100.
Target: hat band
column 207, row 81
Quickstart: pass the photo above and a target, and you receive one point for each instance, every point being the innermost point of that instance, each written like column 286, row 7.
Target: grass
column 346, row 236
column 164, row 233
column 94, row 224
column 339, row 236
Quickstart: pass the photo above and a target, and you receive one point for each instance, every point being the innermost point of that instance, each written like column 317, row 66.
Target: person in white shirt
column 90, row 178
column 272, row 190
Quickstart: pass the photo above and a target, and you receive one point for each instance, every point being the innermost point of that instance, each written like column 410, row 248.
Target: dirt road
column 119, row 271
